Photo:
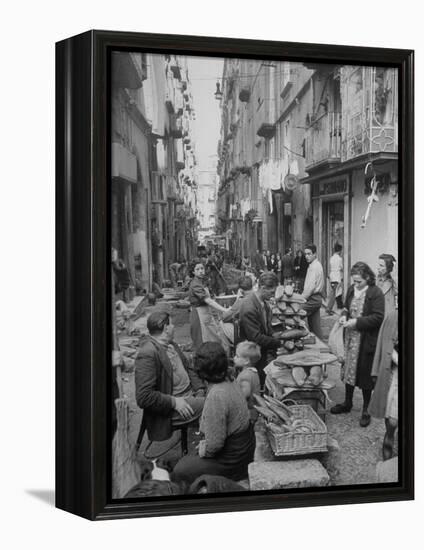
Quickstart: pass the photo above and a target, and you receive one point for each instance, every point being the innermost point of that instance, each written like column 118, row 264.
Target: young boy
column 247, row 355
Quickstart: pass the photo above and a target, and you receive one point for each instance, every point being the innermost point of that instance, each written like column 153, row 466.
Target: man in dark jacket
column 255, row 320
column 168, row 391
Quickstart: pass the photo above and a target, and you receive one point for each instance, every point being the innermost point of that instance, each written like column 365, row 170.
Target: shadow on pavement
column 45, row 495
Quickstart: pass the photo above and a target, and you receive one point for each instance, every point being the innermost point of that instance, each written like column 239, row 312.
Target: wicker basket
column 226, row 301
column 289, row 444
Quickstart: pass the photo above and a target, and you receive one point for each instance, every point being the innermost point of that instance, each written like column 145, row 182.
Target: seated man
column 168, row 391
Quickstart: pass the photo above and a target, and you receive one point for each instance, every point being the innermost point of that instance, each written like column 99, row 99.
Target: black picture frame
column 83, row 281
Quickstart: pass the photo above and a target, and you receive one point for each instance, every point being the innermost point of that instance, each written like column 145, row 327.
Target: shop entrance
column 333, row 230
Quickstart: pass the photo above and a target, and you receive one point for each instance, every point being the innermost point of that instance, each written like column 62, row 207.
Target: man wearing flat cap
column 167, row 389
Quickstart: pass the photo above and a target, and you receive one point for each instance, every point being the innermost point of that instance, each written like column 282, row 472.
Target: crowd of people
column 216, row 388
column 286, row 266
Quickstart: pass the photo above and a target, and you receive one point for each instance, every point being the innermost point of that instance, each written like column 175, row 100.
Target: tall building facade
column 154, row 177
column 308, row 153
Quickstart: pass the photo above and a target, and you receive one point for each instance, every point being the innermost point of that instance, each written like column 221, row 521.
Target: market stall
column 293, row 411
column 302, row 375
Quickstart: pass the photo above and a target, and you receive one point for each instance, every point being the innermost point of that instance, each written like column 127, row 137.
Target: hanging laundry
column 294, row 167
column 154, row 93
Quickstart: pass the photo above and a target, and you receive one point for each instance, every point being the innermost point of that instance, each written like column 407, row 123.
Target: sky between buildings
column 204, row 72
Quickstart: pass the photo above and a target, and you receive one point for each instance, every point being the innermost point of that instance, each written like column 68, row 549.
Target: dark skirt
column 231, row 462
column 364, row 380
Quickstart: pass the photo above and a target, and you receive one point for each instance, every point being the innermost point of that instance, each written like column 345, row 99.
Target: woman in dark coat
column 272, row 264
column 361, row 318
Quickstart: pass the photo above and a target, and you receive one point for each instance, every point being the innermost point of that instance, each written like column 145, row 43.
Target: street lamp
column 218, row 94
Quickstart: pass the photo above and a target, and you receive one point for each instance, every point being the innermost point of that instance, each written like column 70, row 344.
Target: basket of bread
column 292, row 429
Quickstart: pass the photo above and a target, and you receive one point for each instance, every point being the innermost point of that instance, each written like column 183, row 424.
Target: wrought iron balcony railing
column 323, row 140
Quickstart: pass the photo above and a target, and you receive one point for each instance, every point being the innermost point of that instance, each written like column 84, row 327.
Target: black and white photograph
column 254, row 275
column 211, row 225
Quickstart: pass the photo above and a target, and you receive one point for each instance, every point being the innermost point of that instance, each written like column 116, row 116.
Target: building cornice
column 324, row 171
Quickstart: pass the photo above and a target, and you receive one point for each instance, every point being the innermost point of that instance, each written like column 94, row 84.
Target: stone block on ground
column 263, row 451
column 387, row 471
column 288, row 474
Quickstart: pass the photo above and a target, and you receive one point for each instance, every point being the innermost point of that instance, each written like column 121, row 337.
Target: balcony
column 124, row 164
column 370, row 115
column 323, row 141
column 175, row 126
column 265, row 119
column 175, row 68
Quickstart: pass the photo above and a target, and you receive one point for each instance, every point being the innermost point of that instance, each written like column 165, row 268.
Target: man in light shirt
column 335, row 276
column 313, row 290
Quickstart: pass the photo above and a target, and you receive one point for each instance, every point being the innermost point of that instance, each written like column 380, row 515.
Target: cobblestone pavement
column 355, row 453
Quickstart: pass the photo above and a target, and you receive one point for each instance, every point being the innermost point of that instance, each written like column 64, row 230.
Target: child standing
column 247, row 355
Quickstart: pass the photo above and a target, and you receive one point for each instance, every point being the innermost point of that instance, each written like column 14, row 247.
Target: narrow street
column 242, row 167
column 354, row 451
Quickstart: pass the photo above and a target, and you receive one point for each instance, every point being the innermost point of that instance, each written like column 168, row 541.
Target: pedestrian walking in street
column 385, row 281
column 203, row 326
column 313, row 290
column 229, row 440
column 279, row 271
column 265, row 259
column 300, row 267
column 268, row 261
column 384, row 400
column 287, row 266
column 213, row 275
column 122, row 276
column 174, row 269
column 335, row 278
column 273, row 266
column 182, row 272
column 255, row 320
column 361, row 318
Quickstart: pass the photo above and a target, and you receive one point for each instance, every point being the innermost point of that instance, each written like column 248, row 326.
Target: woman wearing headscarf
column 229, row 441
column 361, row 318
column 203, row 326
column 385, row 281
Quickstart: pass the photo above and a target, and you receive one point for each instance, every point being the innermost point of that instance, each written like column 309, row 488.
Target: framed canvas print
column 234, row 275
